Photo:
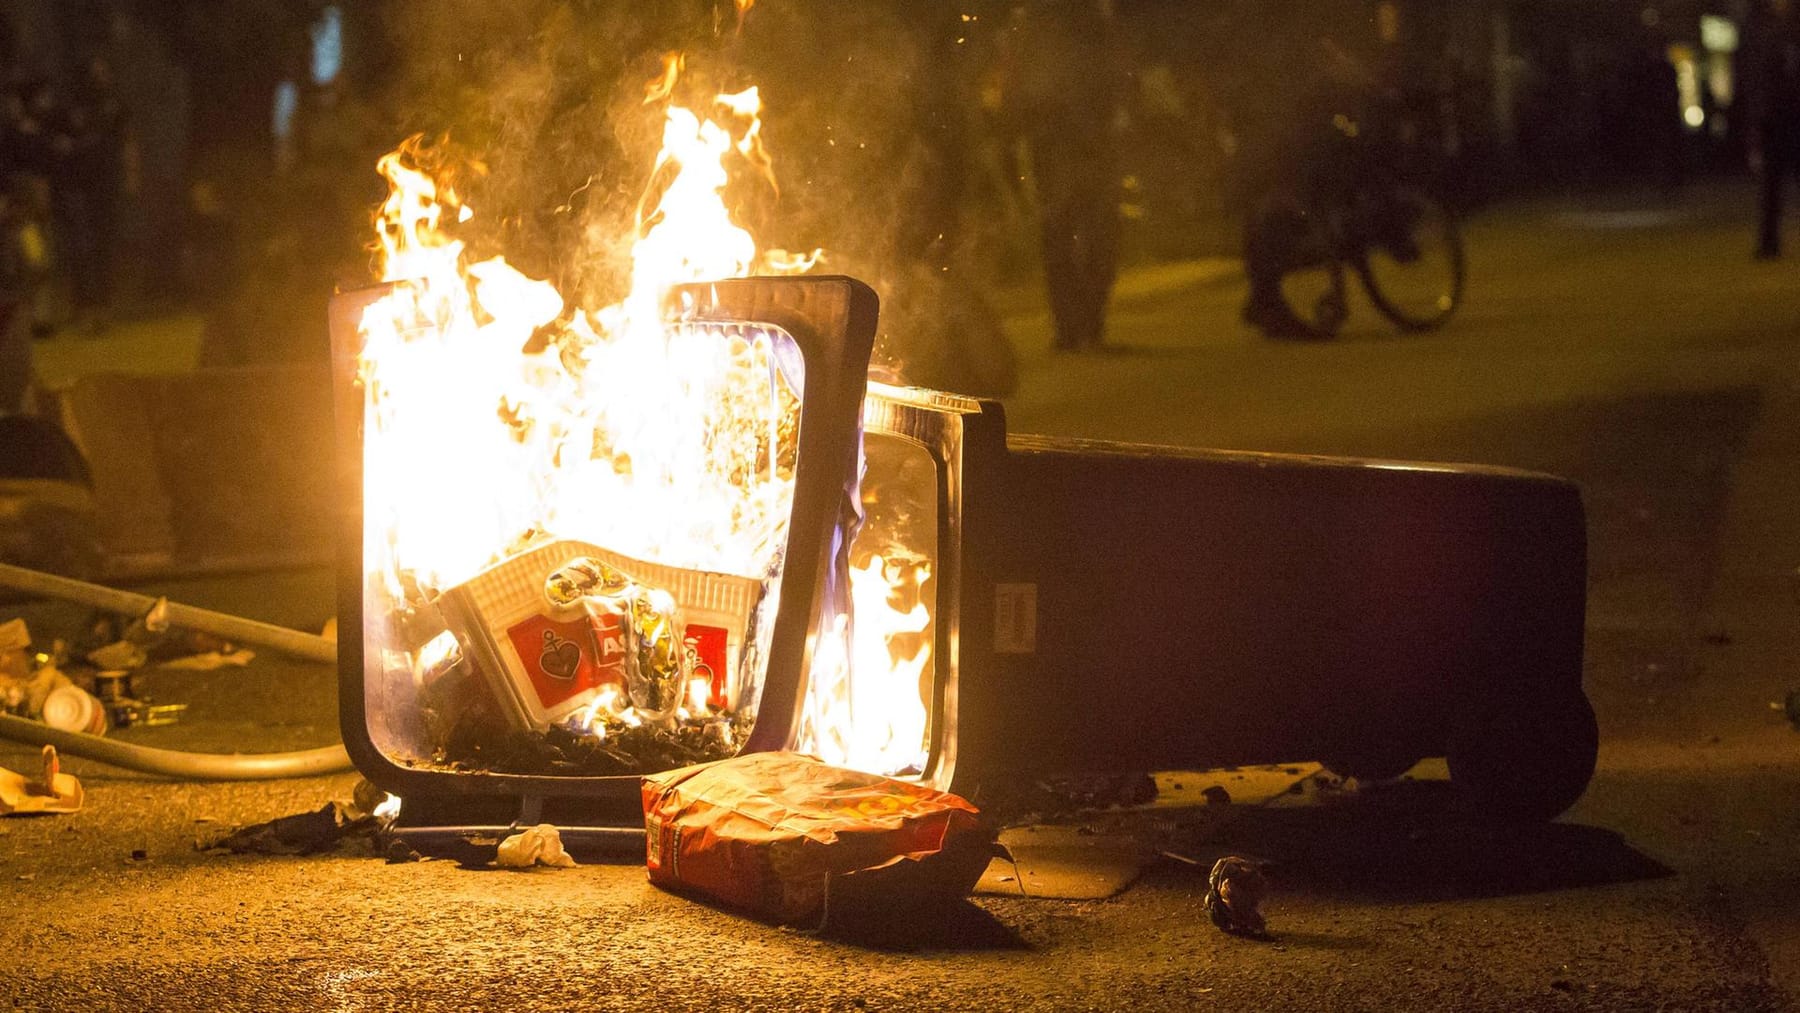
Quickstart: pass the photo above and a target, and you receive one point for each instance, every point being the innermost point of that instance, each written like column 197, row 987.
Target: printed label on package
column 565, row 659
column 710, row 645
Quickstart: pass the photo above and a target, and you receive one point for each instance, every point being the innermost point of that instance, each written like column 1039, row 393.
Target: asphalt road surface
column 1631, row 345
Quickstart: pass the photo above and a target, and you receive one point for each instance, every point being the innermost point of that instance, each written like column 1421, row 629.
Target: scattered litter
column 124, row 707
column 88, row 689
column 365, row 818
column 1060, row 798
column 120, row 654
column 14, row 635
column 1216, row 795
column 541, row 845
column 1234, row 894
column 1185, row 860
column 51, row 792
column 787, row 837
column 399, row 852
column 73, row 709
column 140, row 855
column 15, row 650
column 305, row 834
column 37, row 677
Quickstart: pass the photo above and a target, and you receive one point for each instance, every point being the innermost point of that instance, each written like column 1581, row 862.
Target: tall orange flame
column 498, row 415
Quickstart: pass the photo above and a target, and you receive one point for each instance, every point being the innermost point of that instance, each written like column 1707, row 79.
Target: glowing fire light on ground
column 498, row 415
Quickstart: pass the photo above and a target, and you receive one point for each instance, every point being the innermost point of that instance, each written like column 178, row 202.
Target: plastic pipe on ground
column 234, row 628
column 175, row 763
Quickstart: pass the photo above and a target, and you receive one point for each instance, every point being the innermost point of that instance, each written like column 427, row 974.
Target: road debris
column 1066, row 796
column 540, row 845
column 15, row 650
column 360, row 820
column 125, row 708
column 1234, row 896
column 73, row 709
column 217, row 625
column 789, row 838
column 52, row 791
column 88, row 687
column 304, row 834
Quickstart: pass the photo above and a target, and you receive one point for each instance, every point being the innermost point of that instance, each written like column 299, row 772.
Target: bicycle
column 1402, row 243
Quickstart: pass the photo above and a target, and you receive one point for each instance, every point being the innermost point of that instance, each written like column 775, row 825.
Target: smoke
column 865, row 116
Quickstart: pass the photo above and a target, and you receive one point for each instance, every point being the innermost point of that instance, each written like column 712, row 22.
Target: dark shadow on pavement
column 961, row 926
column 1322, row 941
column 1418, row 841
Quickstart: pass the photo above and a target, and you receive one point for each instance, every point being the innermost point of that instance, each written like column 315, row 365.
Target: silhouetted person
column 28, row 153
column 15, row 272
column 84, row 190
column 1769, row 71
column 1307, row 166
column 15, row 310
column 1066, row 72
column 1662, row 89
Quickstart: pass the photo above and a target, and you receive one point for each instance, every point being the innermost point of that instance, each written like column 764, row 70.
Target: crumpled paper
column 541, row 845
column 1234, row 896
column 51, row 792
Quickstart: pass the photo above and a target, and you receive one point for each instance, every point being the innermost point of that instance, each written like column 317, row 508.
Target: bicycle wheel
column 1410, row 258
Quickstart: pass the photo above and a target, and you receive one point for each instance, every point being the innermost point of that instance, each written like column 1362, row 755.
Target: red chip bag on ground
column 780, row 833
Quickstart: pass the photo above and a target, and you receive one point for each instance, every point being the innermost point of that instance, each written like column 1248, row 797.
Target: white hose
column 175, row 763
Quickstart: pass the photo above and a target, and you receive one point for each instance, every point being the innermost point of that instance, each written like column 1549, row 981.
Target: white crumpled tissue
column 541, row 845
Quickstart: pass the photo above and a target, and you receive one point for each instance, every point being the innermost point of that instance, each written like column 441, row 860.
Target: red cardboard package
column 780, row 833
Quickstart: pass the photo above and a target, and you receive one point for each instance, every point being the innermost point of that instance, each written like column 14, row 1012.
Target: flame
column 865, row 707
column 663, row 85
column 497, row 414
column 388, row 808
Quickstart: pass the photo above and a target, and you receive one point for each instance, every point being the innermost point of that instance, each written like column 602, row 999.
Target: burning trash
column 604, row 600
column 778, row 834
column 582, row 668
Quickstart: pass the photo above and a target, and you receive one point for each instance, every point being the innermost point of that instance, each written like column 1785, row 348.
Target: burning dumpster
column 583, row 546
